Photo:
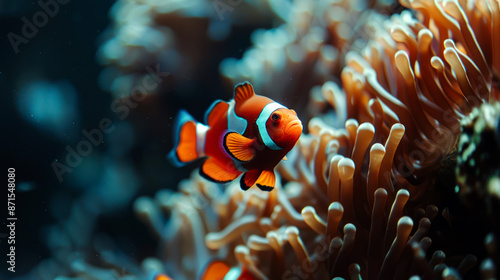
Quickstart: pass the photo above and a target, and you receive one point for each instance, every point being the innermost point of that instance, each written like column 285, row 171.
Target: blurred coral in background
column 396, row 176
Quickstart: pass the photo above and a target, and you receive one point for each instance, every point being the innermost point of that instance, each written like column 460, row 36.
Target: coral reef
column 303, row 229
column 360, row 198
column 424, row 72
column 410, row 87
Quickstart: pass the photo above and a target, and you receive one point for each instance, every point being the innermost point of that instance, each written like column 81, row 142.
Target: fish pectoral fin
column 219, row 172
column 266, row 180
column 284, row 158
column 243, row 92
column 249, row 178
column 215, row 112
column 239, row 147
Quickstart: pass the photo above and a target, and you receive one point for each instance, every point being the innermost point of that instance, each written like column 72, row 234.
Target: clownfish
column 248, row 135
column 160, row 276
column 219, row 270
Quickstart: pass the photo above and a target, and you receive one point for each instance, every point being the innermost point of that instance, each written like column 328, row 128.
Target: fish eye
column 276, row 117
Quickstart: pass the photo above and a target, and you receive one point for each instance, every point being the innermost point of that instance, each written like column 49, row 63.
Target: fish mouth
column 293, row 127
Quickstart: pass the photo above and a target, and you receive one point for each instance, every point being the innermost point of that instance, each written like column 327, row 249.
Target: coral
column 477, row 174
column 477, row 167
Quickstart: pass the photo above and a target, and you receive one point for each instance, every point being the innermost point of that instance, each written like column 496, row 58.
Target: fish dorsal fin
column 218, row 109
column 243, row 92
column 266, row 180
column 239, row 147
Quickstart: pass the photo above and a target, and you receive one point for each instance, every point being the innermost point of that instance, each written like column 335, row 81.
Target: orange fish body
column 249, row 134
column 160, row 276
column 219, row 270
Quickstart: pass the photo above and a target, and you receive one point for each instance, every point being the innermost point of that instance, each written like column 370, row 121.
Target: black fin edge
column 243, row 186
column 241, row 85
column 229, row 152
column 265, row 188
column 204, row 175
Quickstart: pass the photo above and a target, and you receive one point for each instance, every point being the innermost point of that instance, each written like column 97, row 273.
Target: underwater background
column 408, row 88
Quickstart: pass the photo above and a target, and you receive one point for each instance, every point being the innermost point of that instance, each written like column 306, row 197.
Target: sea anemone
column 314, row 226
column 409, row 88
column 405, row 70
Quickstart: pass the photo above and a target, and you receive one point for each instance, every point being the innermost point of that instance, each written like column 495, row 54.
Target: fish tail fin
column 189, row 139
